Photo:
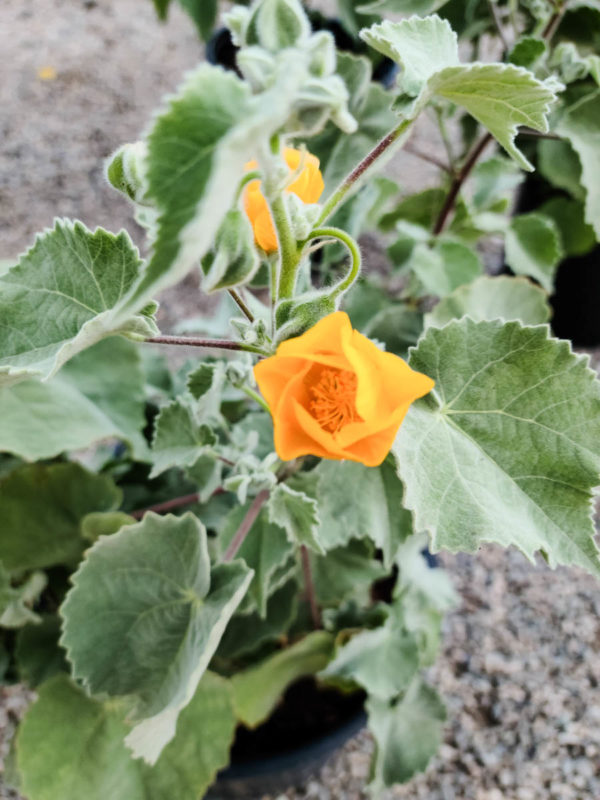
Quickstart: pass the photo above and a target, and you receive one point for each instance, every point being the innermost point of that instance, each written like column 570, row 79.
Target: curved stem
column 289, row 256
column 348, row 183
column 248, row 178
column 347, row 240
column 190, row 341
column 256, row 397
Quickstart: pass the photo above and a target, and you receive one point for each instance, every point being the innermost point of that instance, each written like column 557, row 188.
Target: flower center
column 334, row 396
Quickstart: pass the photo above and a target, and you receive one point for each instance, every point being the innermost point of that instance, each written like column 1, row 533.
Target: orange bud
column 308, row 186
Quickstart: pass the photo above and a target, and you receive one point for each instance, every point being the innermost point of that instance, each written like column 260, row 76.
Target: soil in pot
column 308, row 726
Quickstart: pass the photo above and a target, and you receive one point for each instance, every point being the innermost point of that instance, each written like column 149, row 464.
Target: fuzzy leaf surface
column 297, row 514
column 41, row 507
column 179, row 440
column 64, row 295
column 407, row 734
column 159, row 613
column 533, row 247
column 506, row 448
column 66, row 727
column 489, row 298
column 581, row 126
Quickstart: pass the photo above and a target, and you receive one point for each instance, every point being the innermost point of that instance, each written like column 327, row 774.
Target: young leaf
column 527, row 51
column 70, row 746
column 233, row 259
column 265, row 550
column 559, row 164
column 98, row 394
column 197, row 151
column 77, row 279
column 383, row 661
column 15, row 602
column 159, row 613
column 178, row 439
column 357, row 502
column 581, row 126
column 407, row 734
column 41, row 506
column 533, row 248
column 500, row 96
column 506, row 449
column 257, row 690
column 297, row 514
column 493, row 298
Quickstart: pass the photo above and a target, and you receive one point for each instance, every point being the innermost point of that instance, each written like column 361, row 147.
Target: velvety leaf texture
column 159, row 613
column 506, row 448
column 70, row 747
column 63, row 296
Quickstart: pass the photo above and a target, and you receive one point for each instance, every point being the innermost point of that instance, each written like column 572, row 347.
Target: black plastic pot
column 251, row 780
column 289, row 749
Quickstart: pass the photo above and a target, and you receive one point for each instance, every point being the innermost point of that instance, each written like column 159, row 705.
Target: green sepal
column 233, row 260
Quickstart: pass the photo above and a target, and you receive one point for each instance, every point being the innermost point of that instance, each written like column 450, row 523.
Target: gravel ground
column 520, row 667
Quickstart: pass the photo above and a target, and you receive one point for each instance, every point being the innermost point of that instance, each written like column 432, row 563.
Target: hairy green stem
column 289, row 255
column 241, row 305
column 338, row 197
column 347, row 240
column 248, row 178
column 256, row 397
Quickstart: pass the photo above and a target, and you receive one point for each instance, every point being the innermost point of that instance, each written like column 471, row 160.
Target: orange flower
column 334, row 394
column 308, row 186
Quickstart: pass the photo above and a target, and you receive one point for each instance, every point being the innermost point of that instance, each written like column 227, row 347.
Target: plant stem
column 289, row 256
column 554, row 22
column 190, row 341
column 241, row 305
column 247, row 523
column 347, row 185
column 349, row 242
column 309, row 586
column 255, row 396
column 498, row 23
column 248, row 178
column 458, row 181
column 168, row 505
column 445, row 137
column 408, row 148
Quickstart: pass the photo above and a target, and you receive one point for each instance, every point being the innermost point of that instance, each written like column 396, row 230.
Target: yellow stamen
column 334, row 399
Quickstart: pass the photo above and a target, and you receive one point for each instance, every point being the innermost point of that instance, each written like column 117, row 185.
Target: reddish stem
column 309, row 586
column 246, row 525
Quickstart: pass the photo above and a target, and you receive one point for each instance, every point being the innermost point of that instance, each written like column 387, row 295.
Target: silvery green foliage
column 233, row 260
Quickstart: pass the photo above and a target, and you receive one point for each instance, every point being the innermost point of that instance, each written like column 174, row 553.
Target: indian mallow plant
column 178, row 548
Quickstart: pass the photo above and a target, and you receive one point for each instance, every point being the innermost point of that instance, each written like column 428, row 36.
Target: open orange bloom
column 308, row 186
column 334, row 394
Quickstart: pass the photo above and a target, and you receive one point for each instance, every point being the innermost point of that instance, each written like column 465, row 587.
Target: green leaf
column 265, row 550
column 162, row 8
column 104, row 523
column 489, row 298
column 179, row 440
column 159, row 613
column 446, row 267
column 560, row 165
column 383, row 661
column 422, row 47
column 98, row 394
column 407, row 734
column 346, row 572
column 41, row 507
column 38, row 654
column 63, row 296
column 494, row 180
column 506, row 449
column 204, row 14
column 500, row 96
column 581, row 126
column 234, row 259
column 577, row 237
column 527, row 51
column 420, row 7
column 16, row 602
column 257, row 690
column 297, row 514
column 533, row 248
column 357, row 502
column 415, row 573
column 398, row 326
column 202, row 379
column 197, row 151
column 70, row 746
column 247, row 633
